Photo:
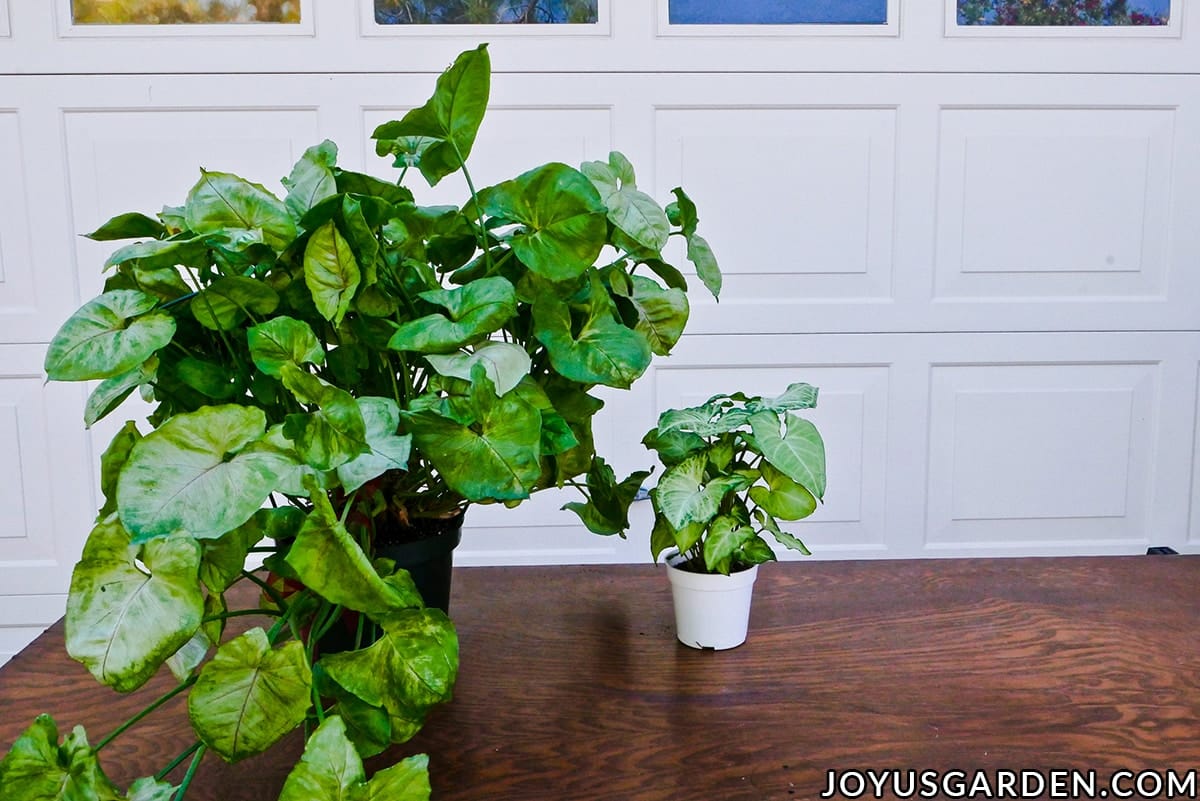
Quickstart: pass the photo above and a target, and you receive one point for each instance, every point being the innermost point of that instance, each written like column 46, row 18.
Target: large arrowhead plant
column 321, row 365
column 735, row 467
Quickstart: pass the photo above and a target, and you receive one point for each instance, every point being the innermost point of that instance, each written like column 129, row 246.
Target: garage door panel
column 132, row 159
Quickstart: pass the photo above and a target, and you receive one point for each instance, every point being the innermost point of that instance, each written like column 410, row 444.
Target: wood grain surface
column 572, row 685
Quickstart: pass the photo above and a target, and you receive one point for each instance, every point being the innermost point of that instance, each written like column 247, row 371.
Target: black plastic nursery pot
column 426, row 550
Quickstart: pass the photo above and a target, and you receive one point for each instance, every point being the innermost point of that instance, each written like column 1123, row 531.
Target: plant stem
column 191, row 773
column 117, row 732
column 243, row 613
column 177, row 761
column 267, row 588
column 483, row 235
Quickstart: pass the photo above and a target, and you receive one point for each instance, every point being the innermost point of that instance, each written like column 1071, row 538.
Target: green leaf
column 472, row 312
column 661, row 313
column 112, row 462
column 411, row 667
column 607, row 511
column 506, row 364
column 214, row 381
column 112, row 392
column 220, row 201
column 361, row 238
column 782, row 497
column 495, row 458
column 37, row 768
column 225, row 557
column 684, row 497
column 450, row 120
column 603, row 352
column 150, row 789
column 133, row 225
column 788, row 540
column 283, row 340
column 330, row 271
column 630, row 210
column 228, row 301
column 291, row 470
column 662, row 537
column 123, row 621
column 407, row 780
column 725, row 537
column 794, row 446
column 754, row 551
column 162, row 253
column 796, row 396
column 189, row 475
column 311, row 180
column 683, row 213
column 673, row 447
column 564, row 220
column 184, row 661
column 250, row 695
column 385, row 449
column 329, row 768
column 328, row 560
column 335, row 433
column 108, row 336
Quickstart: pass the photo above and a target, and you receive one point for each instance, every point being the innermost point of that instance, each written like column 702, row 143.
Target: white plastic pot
column 711, row 611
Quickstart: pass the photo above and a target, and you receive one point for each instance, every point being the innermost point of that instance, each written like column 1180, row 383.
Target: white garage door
column 980, row 242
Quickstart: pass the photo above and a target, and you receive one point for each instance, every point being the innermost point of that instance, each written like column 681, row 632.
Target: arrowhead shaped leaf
column 111, row 392
column 564, row 219
column 782, row 497
column 37, row 768
column 683, row 496
column 329, row 768
column 227, row 301
column 283, row 340
column 683, row 213
column 291, row 470
column 163, row 253
column 497, row 457
column 603, row 352
column 250, row 695
column 786, row 539
column 607, row 511
column 797, row 450
column 473, row 312
column 220, row 201
column 411, row 667
column 112, row 462
column 190, row 475
column 335, row 433
column 132, row 225
column 661, row 313
column 407, row 780
column 108, row 336
column 725, row 537
column 385, row 449
column 312, row 179
column 506, row 364
column 796, row 396
column 633, row 212
column 448, row 122
column 124, row 622
column 328, row 560
column 330, row 271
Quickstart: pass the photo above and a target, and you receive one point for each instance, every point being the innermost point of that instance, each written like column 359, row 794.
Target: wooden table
column 572, row 686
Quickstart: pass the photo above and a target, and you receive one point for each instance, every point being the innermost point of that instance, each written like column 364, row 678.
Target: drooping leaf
column 329, row 768
column 124, row 621
column 311, row 180
column 361, row 238
column 112, row 462
column 411, row 667
column 607, row 511
column 784, row 538
column 386, row 450
column 506, row 364
column 683, row 495
column 221, row 201
column 725, row 536
column 190, row 476
column 632, row 211
column 448, row 122
column 331, row 272
column 250, row 695
column 603, row 352
column 227, row 301
column 283, row 340
column 112, row 392
column 794, row 447
column 472, row 312
column 133, row 225
column 661, row 313
column 110, row 335
column 782, row 497
column 683, row 213
column 332, row 435
column 495, row 458
column 562, row 217
column 328, row 560
column 37, row 768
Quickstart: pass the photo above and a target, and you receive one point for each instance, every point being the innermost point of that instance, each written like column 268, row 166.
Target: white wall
column 981, row 248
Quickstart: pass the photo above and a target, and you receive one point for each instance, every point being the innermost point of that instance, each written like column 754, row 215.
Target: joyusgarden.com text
column 852, row 784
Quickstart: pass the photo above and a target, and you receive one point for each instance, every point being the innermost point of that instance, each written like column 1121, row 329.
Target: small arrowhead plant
column 735, row 467
column 318, row 365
